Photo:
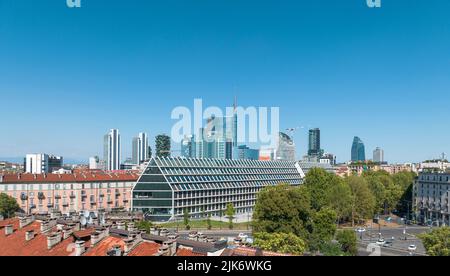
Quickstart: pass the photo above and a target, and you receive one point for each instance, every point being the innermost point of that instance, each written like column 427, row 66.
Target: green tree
column 363, row 202
column 332, row 249
column 163, row 145
column 322, row 228
column 348, row 242
column 208, row 222
column 282, row 208
column 230, row 214
column 186, row 219
column 437, row 242
column 8, row 206
column 340, row 200
column 287, row 243
column 144, row 225
column 319, row 184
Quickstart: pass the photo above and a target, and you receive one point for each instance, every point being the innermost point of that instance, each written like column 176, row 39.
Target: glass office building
column 358, row 150
column 168, row 186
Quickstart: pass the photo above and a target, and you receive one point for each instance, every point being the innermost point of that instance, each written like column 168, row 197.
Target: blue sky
column 69, row 75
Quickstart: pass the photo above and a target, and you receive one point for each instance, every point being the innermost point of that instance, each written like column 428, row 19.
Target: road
column 399, row 246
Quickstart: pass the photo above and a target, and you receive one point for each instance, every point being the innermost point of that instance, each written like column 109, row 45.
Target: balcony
column 57, row 197
column 65, row 204
column 72, row 196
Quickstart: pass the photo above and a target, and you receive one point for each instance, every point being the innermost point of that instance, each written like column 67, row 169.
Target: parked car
column 381, row 242
column 360, row 230
column 412, row 247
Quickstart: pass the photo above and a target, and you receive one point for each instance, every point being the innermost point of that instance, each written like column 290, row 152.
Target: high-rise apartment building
column 111, row 150
column 285, row 148
column 378, row 155
column 140, row 149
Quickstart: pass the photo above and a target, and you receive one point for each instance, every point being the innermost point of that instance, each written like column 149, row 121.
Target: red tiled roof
column 71, row 178
column 104, row 246
column 184, row 252
column 145, row 249
column 16, row 245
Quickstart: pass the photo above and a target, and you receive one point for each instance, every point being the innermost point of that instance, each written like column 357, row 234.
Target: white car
column 381, row 242
column 360, row 230
column 243, row 236
column 412, row 247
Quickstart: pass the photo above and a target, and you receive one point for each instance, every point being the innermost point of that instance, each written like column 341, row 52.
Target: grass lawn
column 202, row 225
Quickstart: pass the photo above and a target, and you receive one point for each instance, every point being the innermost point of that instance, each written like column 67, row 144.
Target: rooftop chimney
column 164, row 250
column 79, row 248
column 116, row 251
column 67, row 232
column 120, row 225
column 25, row 221
column 9, row 229
column 53, row 239
column 29, row 235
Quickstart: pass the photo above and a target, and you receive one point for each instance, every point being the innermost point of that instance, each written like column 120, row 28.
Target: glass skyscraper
column 358, row 150
column 314, row 143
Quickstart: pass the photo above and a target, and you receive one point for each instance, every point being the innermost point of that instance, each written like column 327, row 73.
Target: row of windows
column 218, row 192
column 188, row 162
column 62, row 186
column 229, row 185
column 209, row 178
column 440, row 178
column 225, row 171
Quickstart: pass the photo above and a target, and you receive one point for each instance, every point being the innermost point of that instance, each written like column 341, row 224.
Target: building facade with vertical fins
column 168, row 186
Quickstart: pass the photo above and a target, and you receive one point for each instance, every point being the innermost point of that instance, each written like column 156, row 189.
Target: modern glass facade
column 286, row 148
column 358, row 150
column 314, row 143
column 168, row 186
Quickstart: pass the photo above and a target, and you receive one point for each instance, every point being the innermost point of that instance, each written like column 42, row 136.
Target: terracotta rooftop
column 70, row 178
column 104, row 246
column 16, row 245
column 184, row 252
column 145, row 249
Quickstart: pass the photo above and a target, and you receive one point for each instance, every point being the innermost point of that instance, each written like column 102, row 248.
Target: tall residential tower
column 111, row 150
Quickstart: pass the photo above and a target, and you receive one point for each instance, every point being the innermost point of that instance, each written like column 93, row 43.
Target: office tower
column 140, row 149
column 285, row 148
column 218, row 138
column 314, row 149
column 358, row 150
column 42, row 163
column 111, row 150
column 245, row 153
column 378, row 155
column 163, row 146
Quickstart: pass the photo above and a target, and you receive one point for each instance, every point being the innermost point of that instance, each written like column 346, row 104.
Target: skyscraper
column 286, row 148
column 314, row 149
column 140, row 149
column 111, row 150
column 378, row 155
column 358, row 150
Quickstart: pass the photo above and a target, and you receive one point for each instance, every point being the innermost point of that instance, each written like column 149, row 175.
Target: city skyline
column 290, row 56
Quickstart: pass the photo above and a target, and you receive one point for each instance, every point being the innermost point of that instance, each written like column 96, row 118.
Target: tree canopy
column 8, row 206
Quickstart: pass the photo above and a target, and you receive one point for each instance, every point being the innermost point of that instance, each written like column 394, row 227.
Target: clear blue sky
column 69, row 75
